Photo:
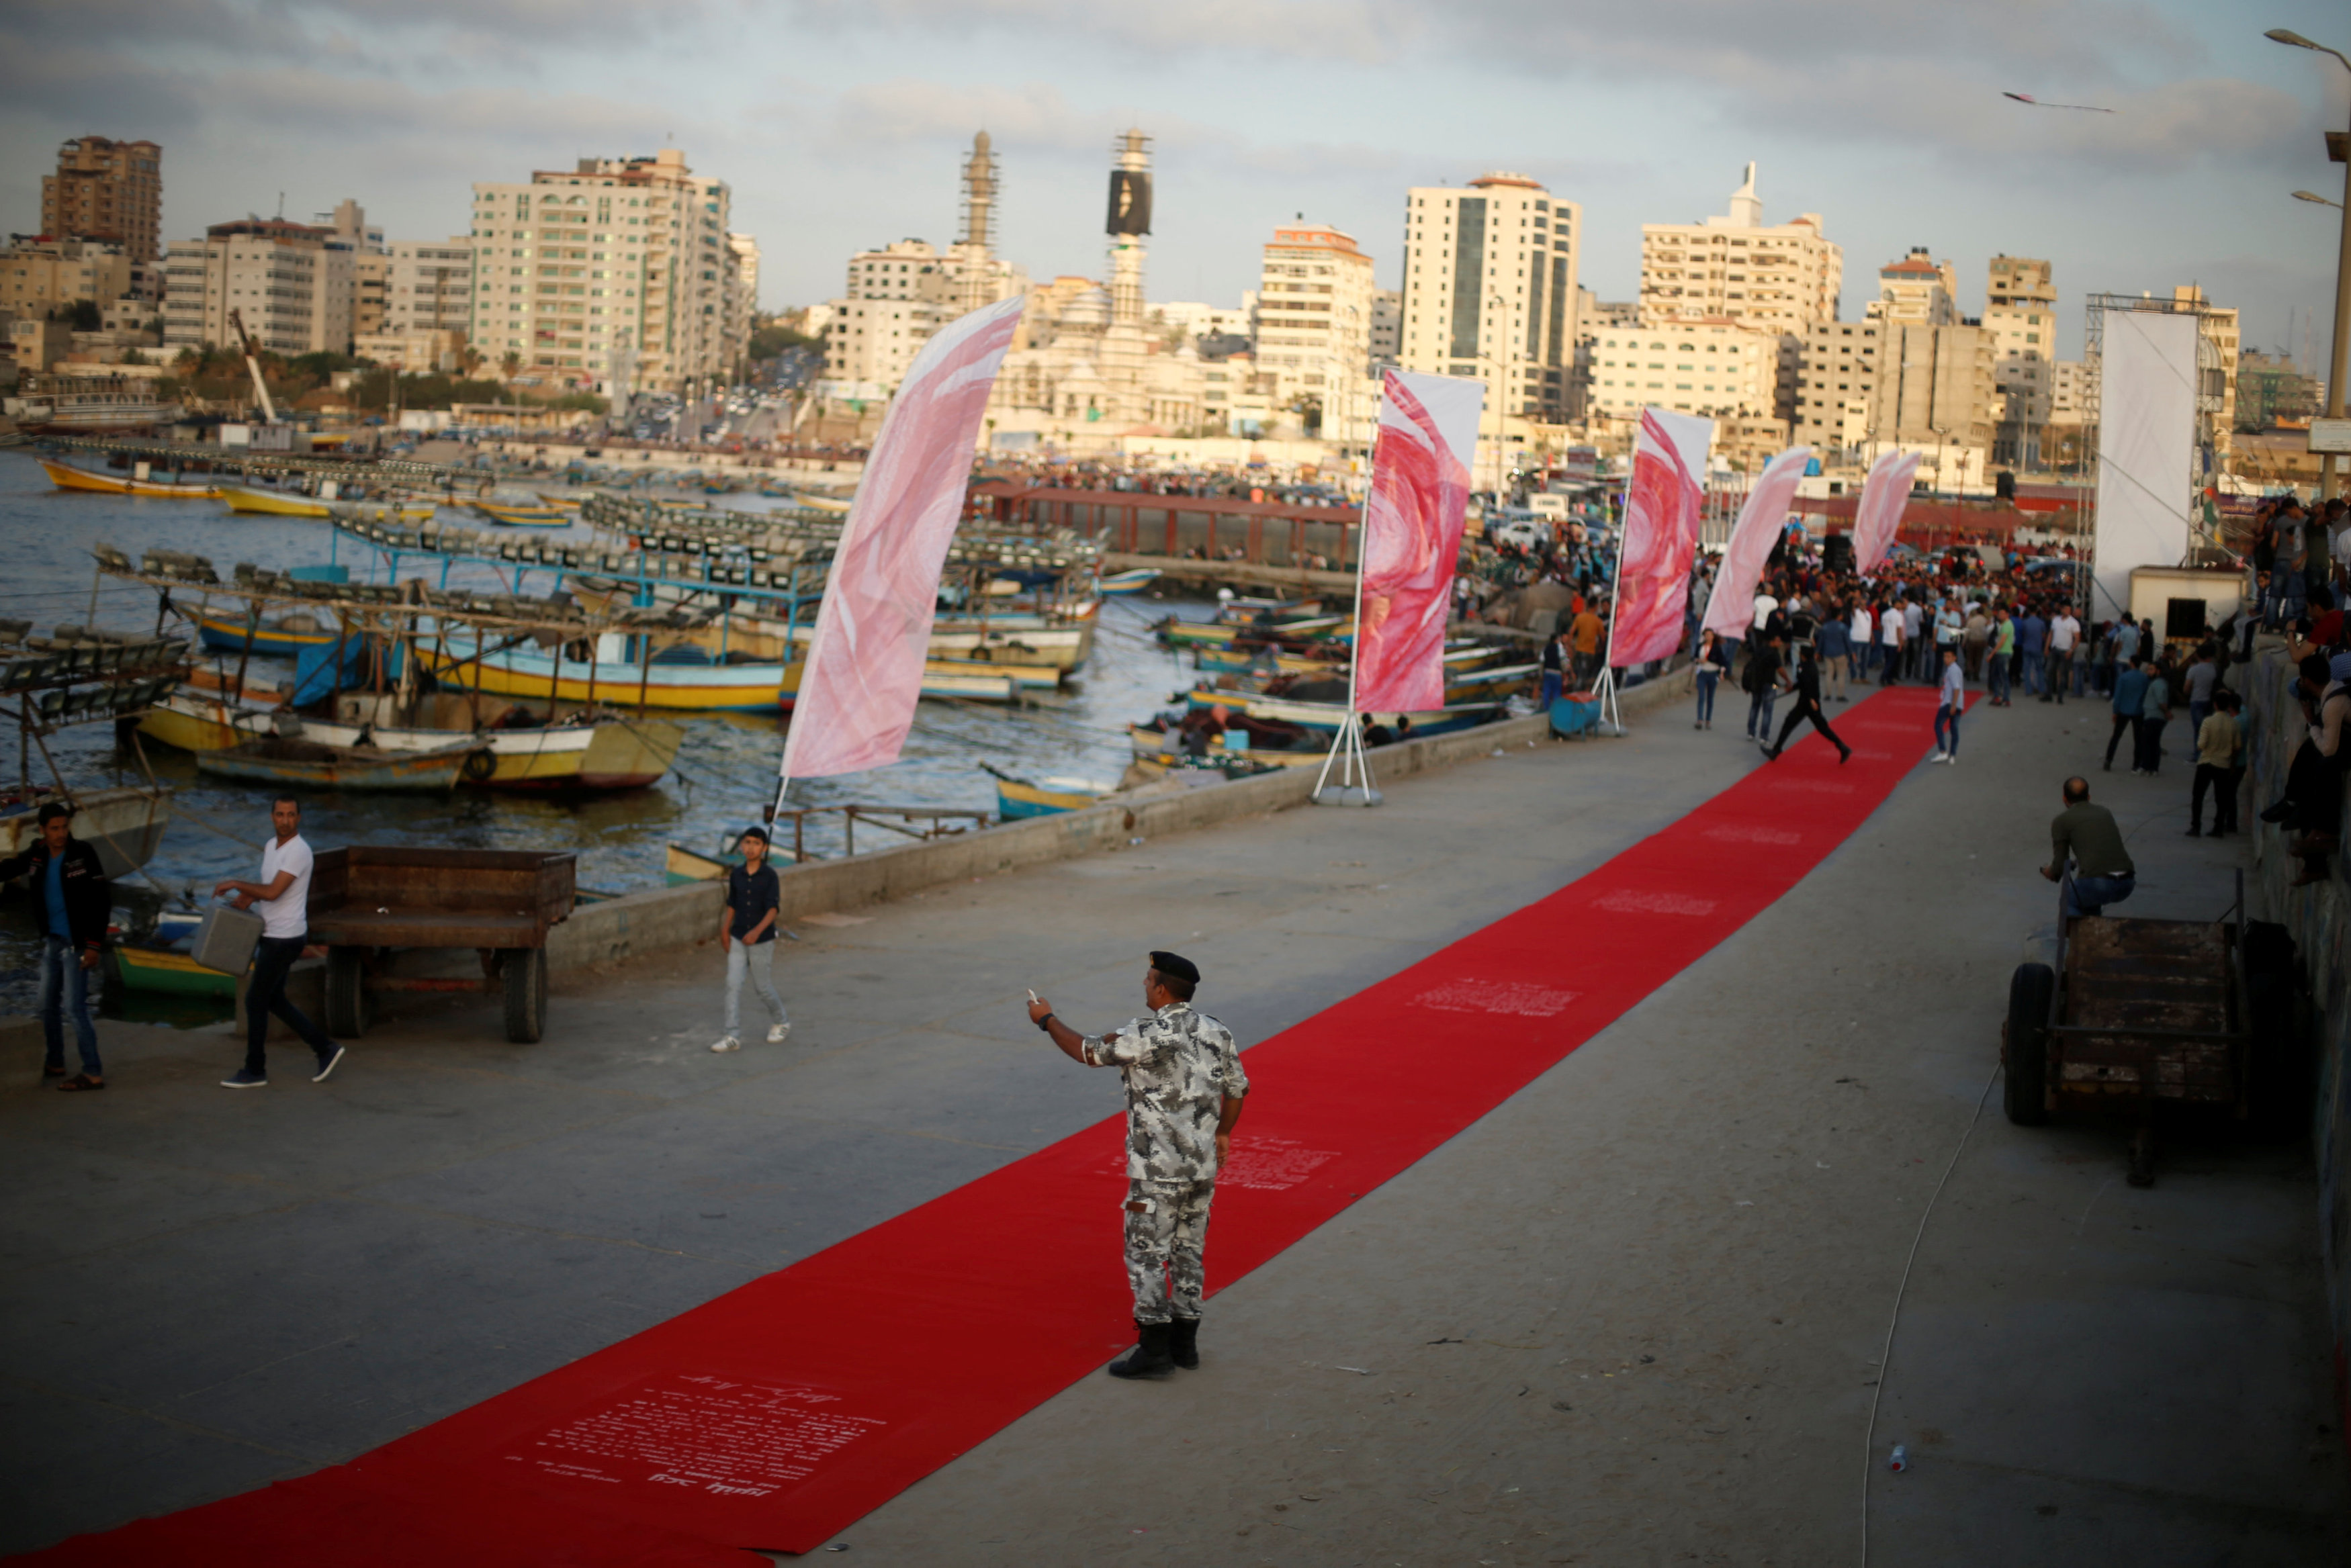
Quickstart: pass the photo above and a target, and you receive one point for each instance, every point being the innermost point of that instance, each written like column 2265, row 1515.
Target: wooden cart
column 368, row 903
column 2136, row 1013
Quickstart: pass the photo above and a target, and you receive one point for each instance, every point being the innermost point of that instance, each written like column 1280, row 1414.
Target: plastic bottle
column 1901, row 1460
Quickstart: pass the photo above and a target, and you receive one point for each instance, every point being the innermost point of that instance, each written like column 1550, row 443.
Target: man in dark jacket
column 1808, row 709
column 71, row 900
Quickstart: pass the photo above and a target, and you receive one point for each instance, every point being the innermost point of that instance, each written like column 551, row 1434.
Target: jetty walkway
column 1635, row 1312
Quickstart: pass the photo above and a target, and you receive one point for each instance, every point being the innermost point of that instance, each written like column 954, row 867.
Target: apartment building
column 39, row 275
column 110, row 192
column 2221, row 333
column 1837, row 387
column 1917, row 291
column 1387, row 326
column 619, row 268
column 1489, row 290
column 1936, row 390
column 429, row 285
column 292, row 284
column 1313, row 331
column 1711, row 366
column 895, row 297
column 1783, row 277
column 2021, row 318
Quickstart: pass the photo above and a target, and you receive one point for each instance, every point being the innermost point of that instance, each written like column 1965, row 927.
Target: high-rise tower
column 1128, row 224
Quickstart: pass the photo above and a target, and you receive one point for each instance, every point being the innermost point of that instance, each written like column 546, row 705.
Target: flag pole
column 1348, row 744
column 1611, row 718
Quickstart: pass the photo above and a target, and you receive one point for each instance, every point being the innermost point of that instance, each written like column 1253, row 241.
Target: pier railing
column 936, row 822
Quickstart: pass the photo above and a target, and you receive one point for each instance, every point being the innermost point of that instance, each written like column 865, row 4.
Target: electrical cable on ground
column 1886, row 1357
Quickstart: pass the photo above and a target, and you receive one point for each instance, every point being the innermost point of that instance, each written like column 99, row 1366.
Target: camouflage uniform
column 1180, row 1066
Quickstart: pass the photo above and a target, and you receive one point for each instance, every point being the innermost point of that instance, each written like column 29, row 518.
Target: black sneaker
column 246, row 1078
column 327, row 1065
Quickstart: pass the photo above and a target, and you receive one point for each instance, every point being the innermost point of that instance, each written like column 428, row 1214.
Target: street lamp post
column 2338, row 148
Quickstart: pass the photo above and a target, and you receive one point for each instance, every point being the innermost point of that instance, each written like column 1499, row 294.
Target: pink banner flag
column 1883, row 496
column 1660, row 535
column 1412, row 538
column 1732, row 610
column 865, row 669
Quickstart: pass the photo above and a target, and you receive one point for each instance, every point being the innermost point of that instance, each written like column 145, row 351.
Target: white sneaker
column 729, row 1043
column 779, row 1034
column 1939, row 757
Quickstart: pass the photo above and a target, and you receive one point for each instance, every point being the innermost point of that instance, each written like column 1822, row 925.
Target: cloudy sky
column 840, row 123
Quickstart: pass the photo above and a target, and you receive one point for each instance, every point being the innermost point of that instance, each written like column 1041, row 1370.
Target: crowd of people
column 2014, row 630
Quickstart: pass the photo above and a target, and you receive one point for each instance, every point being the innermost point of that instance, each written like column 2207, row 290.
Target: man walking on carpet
column 1808, row 707
column 1184, row 1093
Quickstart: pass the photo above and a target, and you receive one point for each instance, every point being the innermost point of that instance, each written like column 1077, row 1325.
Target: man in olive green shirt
column 2103, row 872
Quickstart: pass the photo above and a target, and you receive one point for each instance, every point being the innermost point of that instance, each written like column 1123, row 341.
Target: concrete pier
column 1637, row 1314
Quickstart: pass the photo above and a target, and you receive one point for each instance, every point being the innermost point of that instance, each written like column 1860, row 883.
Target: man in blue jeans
column 283, row 896
column 71, row 900
column 2103, row 872
column 2033, row 642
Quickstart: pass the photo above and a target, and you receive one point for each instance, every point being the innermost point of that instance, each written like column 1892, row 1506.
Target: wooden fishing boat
column 306, row 764
column 291, row 504
column 1326, row 717
column 532, row 675
column 284, row 637
column 190, row 721
column 1027, row 677
column 524, row 516
column 583, row 752
column 1491, row 685
column 949, row 680
column 124, row 824
column 154, row 972
column 1122, row 585
column 681, row 866
column 65, row 476
column 560, row 503
column 1017, row 800
column 1163, row 747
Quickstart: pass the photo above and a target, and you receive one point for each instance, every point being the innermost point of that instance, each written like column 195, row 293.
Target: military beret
column 1175, row 968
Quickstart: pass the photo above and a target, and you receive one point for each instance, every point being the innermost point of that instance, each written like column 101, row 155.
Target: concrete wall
column 2320, row 918
column 669, row 918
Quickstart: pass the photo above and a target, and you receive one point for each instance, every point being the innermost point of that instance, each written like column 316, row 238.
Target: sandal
column 80, row 1083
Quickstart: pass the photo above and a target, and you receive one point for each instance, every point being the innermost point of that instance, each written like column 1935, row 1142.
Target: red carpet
column 777, row 1415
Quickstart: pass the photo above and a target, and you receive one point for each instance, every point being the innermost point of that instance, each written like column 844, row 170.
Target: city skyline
column 840, row 132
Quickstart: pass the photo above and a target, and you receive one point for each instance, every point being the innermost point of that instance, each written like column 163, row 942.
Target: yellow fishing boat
column 192, row 722
column 65, row 476
column 523, row 517
column 531, row 676
column 291, row 504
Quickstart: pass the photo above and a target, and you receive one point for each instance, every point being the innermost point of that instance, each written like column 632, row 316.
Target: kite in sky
column 2086, row 108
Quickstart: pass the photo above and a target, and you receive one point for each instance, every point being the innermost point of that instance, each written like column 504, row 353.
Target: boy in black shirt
column 748, row 931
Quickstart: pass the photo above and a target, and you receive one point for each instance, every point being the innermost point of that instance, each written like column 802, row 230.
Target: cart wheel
column 526, row 971
column 2025, row 1043
column 2278, row 1085
column 346, row 995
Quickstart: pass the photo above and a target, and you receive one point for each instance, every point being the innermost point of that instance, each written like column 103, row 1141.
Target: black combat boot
column 1184, row 1341
column 1149, row 1357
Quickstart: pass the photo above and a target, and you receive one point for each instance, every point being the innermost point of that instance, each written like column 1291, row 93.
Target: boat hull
column 171, row 975
column 65, row 476
column 224, row 634
column 264, row 504
column 1015, row 802
column 124, row 825
column 675, row 688
column 189, row 721
column 278, row 764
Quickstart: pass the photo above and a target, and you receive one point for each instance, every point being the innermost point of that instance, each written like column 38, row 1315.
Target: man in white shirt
column 283, row 896
column 1914, row 619
column 2065, row 631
